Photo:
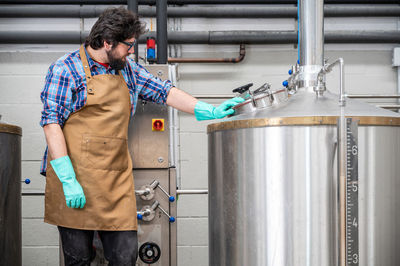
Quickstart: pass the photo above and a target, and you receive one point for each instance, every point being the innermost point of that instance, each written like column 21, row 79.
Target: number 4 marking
column 354, row 223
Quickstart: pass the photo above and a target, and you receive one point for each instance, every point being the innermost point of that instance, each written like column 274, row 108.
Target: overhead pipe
column 189, row 2
column 133, row 5
column 191, row 191
column 394, row 107
column 89, row 11
column 238, row 59
column 371, row 96
column 162, row 32
column 208, row 37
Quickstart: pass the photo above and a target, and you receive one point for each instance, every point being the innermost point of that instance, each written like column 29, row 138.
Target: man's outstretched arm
column 181, row 100
column 203, row 111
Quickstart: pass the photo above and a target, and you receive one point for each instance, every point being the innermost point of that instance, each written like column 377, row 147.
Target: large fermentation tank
column 10, row 195
column 273, row 194
column 295, row 182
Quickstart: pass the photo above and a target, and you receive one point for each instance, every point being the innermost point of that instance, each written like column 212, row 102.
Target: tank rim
column 301, row 121
column 11, row 129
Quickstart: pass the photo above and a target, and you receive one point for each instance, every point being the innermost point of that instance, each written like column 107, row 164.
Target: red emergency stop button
column 157, row 124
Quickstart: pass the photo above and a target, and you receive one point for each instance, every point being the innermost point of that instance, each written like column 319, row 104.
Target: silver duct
column 311, row 45
column 311, row 32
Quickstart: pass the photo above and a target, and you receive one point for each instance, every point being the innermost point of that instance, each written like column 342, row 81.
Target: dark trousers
column 120, row 247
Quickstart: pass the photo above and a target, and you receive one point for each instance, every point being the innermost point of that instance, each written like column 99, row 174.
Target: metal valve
column 147, row 192
column 157, row 185
column 149, row 252
column 147, row 213
column 170, row 218
column 244, row 90
column 292, row 82
column 265, row 88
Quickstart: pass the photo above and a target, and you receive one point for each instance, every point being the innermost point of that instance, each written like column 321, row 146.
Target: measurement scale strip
column 352, row 245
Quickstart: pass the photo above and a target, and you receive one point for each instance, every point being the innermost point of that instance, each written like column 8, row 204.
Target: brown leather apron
column 96, row 138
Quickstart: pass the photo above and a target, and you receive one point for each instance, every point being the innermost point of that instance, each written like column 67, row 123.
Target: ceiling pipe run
column 190, row 2
column 207, row 37
column 90, row 11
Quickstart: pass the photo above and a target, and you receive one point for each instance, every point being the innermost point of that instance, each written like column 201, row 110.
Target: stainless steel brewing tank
column 10, row 195
column 273, row 185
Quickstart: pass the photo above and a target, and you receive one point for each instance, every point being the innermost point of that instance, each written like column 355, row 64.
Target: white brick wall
column 368, row 70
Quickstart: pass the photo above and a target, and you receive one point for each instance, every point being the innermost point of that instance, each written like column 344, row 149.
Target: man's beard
column 115, row 63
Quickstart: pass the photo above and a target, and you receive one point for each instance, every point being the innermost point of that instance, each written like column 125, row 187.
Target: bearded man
column 88, row 99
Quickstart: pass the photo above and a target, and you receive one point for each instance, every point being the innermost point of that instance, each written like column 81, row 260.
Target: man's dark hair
column 114, row 25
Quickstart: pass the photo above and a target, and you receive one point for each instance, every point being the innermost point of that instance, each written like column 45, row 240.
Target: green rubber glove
column 205, row 111
column 73, row 191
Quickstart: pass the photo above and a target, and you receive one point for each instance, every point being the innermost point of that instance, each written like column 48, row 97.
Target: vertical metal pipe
column 398, row 72
column 398, row 84
column 133, row 6
column 298, row 31
column 162, row 35
column 311, row 44
column 342, row 90
column 312, row 32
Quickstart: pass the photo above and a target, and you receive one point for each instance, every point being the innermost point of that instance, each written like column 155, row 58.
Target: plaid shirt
column 64, row 91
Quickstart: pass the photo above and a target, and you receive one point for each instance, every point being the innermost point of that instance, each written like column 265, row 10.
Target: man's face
column 117, row 55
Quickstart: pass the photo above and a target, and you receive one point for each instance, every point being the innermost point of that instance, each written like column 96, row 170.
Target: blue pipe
column 298, row 31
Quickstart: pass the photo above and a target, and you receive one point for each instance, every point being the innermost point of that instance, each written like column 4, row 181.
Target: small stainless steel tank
column 10, row 195
column 273, row 184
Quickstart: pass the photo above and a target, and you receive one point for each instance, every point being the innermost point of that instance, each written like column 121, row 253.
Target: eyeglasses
column 129, row 44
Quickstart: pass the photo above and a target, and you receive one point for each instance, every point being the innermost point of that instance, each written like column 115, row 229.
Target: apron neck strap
column 85, row 63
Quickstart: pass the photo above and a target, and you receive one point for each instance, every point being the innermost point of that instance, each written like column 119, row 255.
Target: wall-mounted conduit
column 91, row 11
column 207, row 37
column 191, row 2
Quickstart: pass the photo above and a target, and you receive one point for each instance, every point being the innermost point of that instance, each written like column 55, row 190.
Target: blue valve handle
column 139, row 216
column 171, row 219
column 170, row 198
column 285, row 83
column 27, row 181
column 290, row 72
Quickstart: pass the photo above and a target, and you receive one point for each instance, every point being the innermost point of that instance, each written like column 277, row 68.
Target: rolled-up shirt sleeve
column 151, row 88
column 57, row 96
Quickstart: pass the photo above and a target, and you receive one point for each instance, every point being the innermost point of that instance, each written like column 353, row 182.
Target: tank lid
column 11, row 129
column 302, row 121
column 304, row 108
